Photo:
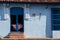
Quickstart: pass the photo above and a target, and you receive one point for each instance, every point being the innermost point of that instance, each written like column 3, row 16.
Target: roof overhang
column 32, row 1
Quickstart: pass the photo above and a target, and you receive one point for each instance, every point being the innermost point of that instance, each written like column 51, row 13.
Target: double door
column 16, row 15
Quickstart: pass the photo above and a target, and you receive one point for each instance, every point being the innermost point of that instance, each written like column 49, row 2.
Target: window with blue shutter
column 55, row 15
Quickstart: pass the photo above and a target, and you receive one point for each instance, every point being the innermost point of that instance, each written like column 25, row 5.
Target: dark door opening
column 17, row 22
column 13, row 22
column 20, row 23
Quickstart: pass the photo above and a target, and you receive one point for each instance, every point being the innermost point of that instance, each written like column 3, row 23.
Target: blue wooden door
column 16, row 14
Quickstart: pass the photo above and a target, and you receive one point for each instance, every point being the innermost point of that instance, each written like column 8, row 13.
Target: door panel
column 20, row 23
column 13, row 22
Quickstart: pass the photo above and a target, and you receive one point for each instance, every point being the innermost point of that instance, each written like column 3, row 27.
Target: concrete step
column 16, row 35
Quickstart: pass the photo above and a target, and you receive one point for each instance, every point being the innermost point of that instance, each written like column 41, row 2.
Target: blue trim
column 23, row 20
column 55, row 19
column 51, row 23
column 10, row 22
column 16, row 23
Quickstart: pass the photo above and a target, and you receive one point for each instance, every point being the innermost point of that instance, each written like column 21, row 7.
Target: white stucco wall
column 35, row 27
column 4, row 24
column 56, row 34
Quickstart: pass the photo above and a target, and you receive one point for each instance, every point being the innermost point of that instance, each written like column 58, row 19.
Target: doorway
column 17, row 22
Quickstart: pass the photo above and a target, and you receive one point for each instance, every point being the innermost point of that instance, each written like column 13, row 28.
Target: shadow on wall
column 1, row 13
column 48, row 25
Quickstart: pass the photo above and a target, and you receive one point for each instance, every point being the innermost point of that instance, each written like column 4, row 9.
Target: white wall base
column 56, row 34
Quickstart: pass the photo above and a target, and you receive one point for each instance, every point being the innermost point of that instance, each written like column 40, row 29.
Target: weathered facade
column 32, row 18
